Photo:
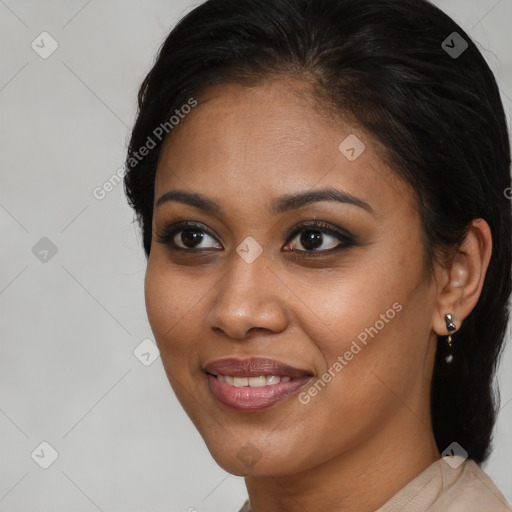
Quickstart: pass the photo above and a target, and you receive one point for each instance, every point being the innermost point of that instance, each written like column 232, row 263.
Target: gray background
column 70, row 324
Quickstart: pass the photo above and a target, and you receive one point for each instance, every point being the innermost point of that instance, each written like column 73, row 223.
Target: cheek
column 173, row 308
column 373, row 327
column 365, row 383
column 354, row 306
column 171, row 305
column 380, row 361
column 160, row 301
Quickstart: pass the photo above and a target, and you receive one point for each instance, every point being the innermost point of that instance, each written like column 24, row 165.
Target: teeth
column 240, row 381
column 253, row 382
column 273, row 379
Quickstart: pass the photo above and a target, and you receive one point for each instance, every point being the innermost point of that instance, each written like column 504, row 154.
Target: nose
column 249, row 298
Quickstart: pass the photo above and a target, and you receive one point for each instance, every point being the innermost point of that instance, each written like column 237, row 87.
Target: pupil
column 311, row 239
column 190, row 236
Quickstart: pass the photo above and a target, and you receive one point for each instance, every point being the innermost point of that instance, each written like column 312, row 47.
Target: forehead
column 245, row 142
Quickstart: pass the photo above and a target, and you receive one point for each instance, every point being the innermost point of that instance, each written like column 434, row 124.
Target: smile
column 253, row 382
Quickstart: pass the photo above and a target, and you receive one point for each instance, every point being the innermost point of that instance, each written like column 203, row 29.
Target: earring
column 450, row 327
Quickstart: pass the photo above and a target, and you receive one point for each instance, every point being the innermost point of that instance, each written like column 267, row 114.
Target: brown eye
column 319, row 237
column 187, row 236
column 190, row 238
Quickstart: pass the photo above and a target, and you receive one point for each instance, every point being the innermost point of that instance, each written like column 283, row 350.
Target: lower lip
column 247, row 398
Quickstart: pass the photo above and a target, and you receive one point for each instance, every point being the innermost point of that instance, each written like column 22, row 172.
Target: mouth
column 253, row 384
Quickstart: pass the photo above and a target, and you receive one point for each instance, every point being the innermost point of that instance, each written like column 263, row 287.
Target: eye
column 318, row 236
column 313, row 238
column 187, row 236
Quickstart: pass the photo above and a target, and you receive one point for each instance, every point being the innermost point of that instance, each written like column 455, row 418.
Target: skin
column 368, row 431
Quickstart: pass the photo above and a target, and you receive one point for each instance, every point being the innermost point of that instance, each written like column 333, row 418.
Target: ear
column 460, row 282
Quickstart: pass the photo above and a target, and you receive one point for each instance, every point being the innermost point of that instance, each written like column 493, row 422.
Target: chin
column 245, row 459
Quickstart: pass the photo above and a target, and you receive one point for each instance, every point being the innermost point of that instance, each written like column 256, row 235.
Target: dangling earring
column 450, row 327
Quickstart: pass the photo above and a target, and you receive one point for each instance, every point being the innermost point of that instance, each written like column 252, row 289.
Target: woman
column 320, row 186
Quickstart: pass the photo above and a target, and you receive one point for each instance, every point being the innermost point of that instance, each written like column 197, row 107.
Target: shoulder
column 453, row 486
column 472, row 491
column 450, row 484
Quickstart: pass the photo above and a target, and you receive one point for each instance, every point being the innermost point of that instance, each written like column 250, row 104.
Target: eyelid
column 346, row 238
column 167, row 233
column 322, row 226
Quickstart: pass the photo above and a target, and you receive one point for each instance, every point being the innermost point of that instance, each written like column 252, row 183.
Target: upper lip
column 253, row 367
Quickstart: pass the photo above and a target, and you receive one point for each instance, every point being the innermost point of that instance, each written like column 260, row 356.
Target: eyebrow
column 281, row 205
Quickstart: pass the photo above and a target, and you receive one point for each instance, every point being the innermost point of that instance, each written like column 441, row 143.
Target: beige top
column 451, row 485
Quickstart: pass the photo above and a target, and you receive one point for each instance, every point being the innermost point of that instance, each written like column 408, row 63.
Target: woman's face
column 347, row 304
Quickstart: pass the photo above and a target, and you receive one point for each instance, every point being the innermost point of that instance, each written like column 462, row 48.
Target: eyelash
column 167, row 235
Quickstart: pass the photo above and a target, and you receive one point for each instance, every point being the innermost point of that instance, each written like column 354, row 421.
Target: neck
column 361, row 479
